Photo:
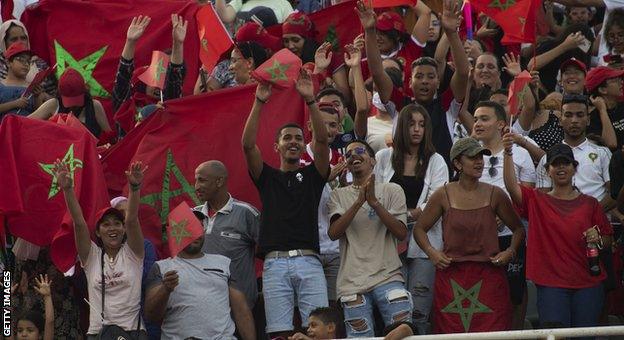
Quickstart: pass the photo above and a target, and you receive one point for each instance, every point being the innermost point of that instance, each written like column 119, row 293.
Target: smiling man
column 289, row 240
column 369, row 219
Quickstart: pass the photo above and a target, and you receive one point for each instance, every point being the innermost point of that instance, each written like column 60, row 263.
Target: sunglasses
column 492, row 171
column 358, row 150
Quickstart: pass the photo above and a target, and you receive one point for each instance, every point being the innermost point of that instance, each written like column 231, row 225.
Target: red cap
column 390, row 21
column 298, row 23
column 598, row 75
column 134, row 81
column 573, row 62
column 108, row 211
column 72, row 88
column 15, row 49
column 251, row 31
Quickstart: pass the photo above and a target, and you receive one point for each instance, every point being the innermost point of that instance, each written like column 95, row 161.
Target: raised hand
column 337, row 170
column 137, row 27
column 573, row 41
column 451, row 16
column 62, row 175
column 135, row 173
column 359, row 42
column 179, row 28
column 352, row 56
column 599, row 103
column 512, row 64
column 304, row 86
column 170, row 280
column 323, row 56
column 42, row 285
column 368, row 18
column 263, row 91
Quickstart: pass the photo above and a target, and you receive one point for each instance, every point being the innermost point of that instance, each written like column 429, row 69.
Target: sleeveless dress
column 471, row 295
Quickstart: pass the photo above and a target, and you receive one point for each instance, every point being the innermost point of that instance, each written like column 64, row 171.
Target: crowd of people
column 422, row 203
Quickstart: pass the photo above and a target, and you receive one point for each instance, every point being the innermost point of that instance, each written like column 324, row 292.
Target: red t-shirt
column 306, row 159
column 556, row 249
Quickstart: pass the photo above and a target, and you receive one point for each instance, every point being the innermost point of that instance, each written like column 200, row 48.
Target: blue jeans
column 285, row 279
column 420, row 284
column 392, row 299
column 561, row 307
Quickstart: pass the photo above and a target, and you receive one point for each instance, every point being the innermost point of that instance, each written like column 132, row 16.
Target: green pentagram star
column 84, row 66
column 161, row 200
column 502, row 5
column 72, row 163
column 179, row 231
column 457, row 306
column 526, row 90
column 160, row 69
column 278, row 71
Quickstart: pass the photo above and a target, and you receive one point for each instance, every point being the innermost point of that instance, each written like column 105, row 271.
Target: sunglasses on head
column 358, row 150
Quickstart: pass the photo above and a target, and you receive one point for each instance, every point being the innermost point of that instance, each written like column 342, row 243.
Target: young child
column 30, row 325
column 12, row 99
column 323, row 323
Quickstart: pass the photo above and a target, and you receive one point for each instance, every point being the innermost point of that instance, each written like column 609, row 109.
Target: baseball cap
column 108, row 211
column 72, row 88
column 118, row 200
column 560, row 151
column 468, row 146
column 390, row 21
column 598, row 75
column 252, row 31
column 573, row 62
column 261, row 14
column 15, row 49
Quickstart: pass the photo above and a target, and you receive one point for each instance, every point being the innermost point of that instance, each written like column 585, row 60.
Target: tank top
column 548, row 134
column 470, row 234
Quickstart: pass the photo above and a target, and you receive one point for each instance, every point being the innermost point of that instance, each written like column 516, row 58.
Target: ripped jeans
column 420, row 284
column 392, row 299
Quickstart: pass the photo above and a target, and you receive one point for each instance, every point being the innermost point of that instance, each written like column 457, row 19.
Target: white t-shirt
column 122, row 288
column 604, row 50
column 592, row 172
column 379, row 133
column 523, row 166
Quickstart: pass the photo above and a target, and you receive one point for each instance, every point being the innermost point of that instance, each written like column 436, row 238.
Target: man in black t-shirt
column 290, row 196
column 606, row 83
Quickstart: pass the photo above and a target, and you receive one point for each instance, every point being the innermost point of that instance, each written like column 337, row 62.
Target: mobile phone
column 585, row 45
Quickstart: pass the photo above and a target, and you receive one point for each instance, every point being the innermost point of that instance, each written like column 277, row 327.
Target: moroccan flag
column 213, row 37
column 518, row 88
column 471, row 297
column 155, row 74
column 93, row 42
column 183, row 228
column 39, row 208
column 281, row 70
column 39, row 77
column 517, row 18
column 173, row 142
column 71, row 120
column 392, row 3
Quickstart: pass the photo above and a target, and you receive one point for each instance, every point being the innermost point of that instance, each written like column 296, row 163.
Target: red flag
column 40, row 209
column 518, row 88
column 175, row 141
column 517, row 18
column 155, row 74
column 71, row 120
column 392, row 3
column 39, row 77
column 213, row 37
column 281, row 70
column 67, row 33
column 183, row 228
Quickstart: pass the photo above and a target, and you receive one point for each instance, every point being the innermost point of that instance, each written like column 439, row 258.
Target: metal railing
column 549, row 334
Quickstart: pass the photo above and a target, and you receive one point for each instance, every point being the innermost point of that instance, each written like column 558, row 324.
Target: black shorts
column 516, row 273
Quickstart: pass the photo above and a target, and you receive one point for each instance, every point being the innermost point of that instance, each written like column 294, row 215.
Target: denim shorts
column 393, row 301
column 285, row 279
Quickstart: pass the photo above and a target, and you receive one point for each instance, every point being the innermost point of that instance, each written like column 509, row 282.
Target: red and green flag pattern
column 155, row 74
column 517, row 18
column 183, row 228
column 281, row 70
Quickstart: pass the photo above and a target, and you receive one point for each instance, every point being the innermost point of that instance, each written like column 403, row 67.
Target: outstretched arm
column 133, row 228
column 42, row 286
column 320, row 140
column 382, row 81
column 450, row 22
column 250, row 132
column 509, row 172
column 421, row 29
column 81, row 231
column 353, row 59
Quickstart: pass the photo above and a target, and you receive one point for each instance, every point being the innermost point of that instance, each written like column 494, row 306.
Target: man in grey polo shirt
column 231, row 226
